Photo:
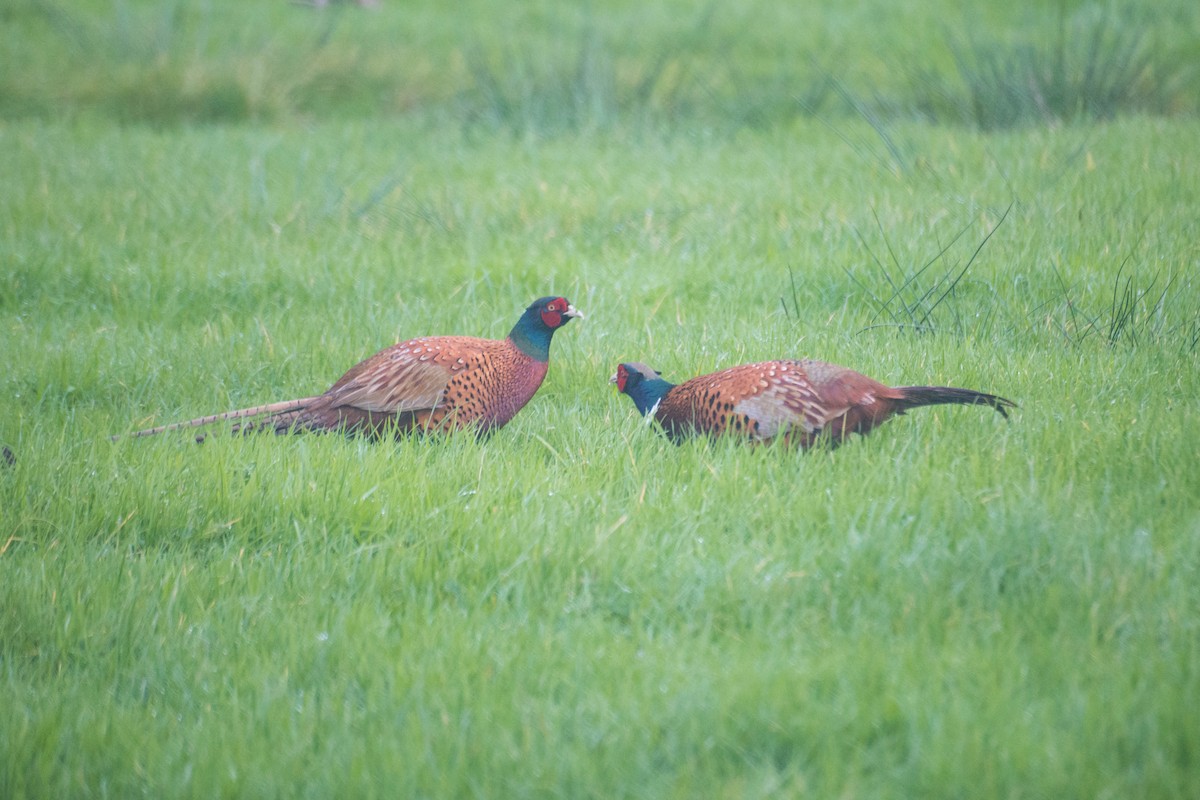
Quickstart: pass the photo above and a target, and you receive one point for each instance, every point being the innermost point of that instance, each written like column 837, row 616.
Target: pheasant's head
column 554, row 312
column 537, row 325
column 644, row 385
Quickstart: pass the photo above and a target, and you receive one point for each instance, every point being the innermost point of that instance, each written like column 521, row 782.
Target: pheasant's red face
column 554, row 312
column 622, row 378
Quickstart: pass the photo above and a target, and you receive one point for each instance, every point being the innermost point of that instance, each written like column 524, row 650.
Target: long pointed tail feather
column 914, row 396
column 284, row 407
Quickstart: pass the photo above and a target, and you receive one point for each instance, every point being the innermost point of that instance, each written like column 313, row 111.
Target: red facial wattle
column 552, row 314
column 622, row 378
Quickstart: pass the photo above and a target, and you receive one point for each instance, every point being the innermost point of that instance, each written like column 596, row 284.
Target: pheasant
column 802, row 402
column 434, row 383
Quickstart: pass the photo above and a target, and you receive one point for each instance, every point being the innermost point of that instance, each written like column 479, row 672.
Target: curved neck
column 647, row 394
column 533, row 341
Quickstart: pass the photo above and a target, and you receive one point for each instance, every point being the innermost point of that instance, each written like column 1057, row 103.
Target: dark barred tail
column 273, row 416
column 914, row 396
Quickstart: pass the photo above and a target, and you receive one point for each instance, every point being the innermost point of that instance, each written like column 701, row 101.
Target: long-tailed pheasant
column 434, row 383
column 801, row 401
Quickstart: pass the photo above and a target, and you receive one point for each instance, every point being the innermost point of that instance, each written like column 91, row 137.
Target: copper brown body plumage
column 800, row 401
column 433, row 383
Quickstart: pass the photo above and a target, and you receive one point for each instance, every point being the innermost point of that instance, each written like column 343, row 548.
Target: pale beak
column 572, row 311
column 613, row 379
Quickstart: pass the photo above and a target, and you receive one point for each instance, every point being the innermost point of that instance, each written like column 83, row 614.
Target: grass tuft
column 1135, row 314
column 1102, row 63
column 530, row 93
column 593, row 87
column 911, row 299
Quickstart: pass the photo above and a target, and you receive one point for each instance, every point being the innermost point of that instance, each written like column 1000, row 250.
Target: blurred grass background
column 546, row 67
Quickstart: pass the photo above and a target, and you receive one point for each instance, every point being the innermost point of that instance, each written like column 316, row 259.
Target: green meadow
column 210, row 206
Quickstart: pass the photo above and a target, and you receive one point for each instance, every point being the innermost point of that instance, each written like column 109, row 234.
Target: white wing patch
column 764, row 410
column 790, row 401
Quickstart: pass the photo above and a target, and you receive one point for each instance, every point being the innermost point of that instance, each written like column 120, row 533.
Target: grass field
column 955, row 606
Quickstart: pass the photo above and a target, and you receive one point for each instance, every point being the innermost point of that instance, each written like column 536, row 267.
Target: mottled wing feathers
column 784, row 397
column 763, row 400
column 431, row 383
column 409, row 376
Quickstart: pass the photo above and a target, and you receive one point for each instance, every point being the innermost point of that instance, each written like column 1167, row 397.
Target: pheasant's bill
column 572, row 311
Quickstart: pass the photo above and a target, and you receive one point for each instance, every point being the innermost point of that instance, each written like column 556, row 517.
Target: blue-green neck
column 648, row 393
column 532, row 338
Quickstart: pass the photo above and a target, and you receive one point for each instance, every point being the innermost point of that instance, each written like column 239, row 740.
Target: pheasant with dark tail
column 802, row 402
column 434, row 383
